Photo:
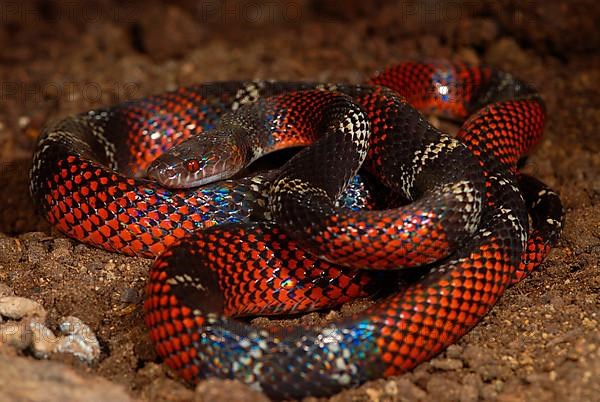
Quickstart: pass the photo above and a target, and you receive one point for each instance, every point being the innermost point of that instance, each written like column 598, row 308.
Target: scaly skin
column 467, row 220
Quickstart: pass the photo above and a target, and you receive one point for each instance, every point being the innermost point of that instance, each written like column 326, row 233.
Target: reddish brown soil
column 541, row 342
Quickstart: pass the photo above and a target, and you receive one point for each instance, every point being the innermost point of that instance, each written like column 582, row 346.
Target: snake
column 445, row 234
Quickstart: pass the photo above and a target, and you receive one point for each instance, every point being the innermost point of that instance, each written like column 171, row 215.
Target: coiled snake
column 455, row 208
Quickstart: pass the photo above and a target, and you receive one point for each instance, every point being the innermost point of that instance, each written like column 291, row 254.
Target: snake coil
column 460, row 216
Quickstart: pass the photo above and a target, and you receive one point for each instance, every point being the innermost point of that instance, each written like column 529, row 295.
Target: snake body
column 463, row 219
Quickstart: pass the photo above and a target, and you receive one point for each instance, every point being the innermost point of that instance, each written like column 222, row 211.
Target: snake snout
column 200, row 160
column 164, row 172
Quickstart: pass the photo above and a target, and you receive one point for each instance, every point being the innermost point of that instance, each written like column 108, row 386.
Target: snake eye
column 192, row 165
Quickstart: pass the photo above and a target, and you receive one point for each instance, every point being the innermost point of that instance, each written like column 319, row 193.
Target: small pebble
column 130, row 295
column 442, row 389
column 454, row 351
column 150, row 371
column 61, row 248
column 23, row 121
column 468, row 393
column 475, row 356
column 15, row 307
column 109, row 266
column 490, row 391
column 471, row 386
column 447, row 364
column 409, row 390
column 79, row 340
column 490, row 372
column 62, row 242
column 43, row 340
column 374, row 394
column 391, row 388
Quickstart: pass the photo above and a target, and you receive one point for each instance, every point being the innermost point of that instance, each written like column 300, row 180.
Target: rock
column 62, row 248
column 491, row 391
column 471, row 388
column 391, row 388
column 442, row 389
column 35, row 250
column 474, row 356
column 373, row 394
column 468, row 393
column 130, row 295
column 30, row 380
column 15, row 307
column 447, row 364
column 494, row 371
column 79, row 341
column 454, row 351
column 407, row 389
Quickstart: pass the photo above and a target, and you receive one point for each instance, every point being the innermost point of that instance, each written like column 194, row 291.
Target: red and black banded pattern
column 466, row 219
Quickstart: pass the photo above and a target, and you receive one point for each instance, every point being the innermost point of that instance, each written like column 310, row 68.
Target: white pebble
column 79, row 340
column 23, row 121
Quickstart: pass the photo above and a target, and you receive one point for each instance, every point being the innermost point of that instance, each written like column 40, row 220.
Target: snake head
column 199, row 160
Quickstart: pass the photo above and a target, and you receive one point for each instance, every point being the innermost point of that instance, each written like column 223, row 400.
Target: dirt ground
column 540, row 343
